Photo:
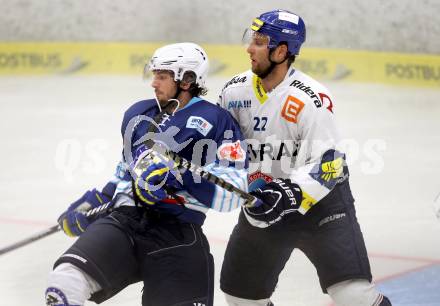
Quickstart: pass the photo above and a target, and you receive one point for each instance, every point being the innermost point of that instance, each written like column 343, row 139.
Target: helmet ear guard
column 189, row 77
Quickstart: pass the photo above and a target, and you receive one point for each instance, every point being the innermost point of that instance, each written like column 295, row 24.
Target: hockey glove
column 278, row 198
column 152, row 183
column 73, row 221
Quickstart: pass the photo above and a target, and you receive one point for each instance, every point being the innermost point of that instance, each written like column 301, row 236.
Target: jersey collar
column 259, row 91
column 193, row 101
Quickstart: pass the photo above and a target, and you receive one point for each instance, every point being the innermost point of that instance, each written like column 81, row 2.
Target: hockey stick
column 182, row 163
column 167, row 110
column 51, row 230
column 45, row 233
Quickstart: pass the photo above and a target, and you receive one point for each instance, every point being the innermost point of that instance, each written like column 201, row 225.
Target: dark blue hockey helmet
column 281, row 26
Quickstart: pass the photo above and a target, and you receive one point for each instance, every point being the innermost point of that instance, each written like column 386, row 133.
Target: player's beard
column 164, row 98
column 263, row 70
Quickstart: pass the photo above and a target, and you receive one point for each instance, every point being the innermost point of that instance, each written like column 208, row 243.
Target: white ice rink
column 60, row 136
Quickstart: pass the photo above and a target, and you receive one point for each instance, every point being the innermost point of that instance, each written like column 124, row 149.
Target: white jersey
column 291, row 132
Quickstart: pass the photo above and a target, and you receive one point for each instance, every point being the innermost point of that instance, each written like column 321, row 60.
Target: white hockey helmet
column 180, row 58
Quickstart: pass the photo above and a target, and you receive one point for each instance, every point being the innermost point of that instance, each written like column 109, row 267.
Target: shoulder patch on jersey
column 308, row 91
column 235, row 80
column 200, row 124
column 326, row 101
column 231, row 151
column 291, row 109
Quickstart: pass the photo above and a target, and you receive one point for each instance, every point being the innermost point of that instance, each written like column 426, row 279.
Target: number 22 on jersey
column 260, row 124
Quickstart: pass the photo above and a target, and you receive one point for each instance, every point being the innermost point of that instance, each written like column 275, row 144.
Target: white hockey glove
column 279, row 198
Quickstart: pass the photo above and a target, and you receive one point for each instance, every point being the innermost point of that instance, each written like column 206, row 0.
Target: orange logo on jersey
column 291, row 109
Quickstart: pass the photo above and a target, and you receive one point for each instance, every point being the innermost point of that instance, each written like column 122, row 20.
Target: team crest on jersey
column 258, row 179
column 291, row 109
column 232, row 152
column 200, row 124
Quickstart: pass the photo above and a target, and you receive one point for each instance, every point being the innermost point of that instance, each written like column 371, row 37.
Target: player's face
column 164, row 85
column 259, row 53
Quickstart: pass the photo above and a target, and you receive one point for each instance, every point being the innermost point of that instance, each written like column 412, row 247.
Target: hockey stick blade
column 182, row 163
column 51, row 230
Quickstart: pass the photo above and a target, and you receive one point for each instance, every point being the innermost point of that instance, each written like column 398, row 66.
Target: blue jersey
column 200, row 132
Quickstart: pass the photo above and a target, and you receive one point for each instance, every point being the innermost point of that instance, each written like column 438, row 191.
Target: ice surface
column 60, row 136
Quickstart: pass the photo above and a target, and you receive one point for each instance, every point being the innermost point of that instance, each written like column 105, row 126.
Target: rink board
column 37, row 58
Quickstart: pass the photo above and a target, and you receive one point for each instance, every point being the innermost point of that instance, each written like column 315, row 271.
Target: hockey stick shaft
column 51, row 230
column 45, row 233
column 182, row 163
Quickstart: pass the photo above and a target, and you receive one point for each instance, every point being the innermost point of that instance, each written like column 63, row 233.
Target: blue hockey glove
column 152, row 183
column 73, row 221
column 278, row 199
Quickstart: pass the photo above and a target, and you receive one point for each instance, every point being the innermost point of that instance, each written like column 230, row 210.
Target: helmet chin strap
column 272, row 65
column 174, row 98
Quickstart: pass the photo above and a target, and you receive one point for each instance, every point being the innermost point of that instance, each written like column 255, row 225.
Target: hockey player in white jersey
column 297, row 170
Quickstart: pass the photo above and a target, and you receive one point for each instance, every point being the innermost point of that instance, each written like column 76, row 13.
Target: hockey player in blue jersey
column 153, row 233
